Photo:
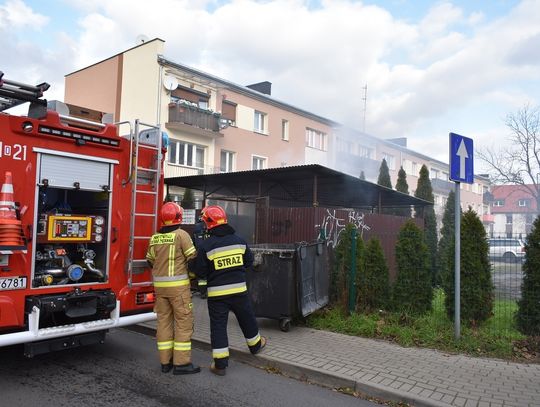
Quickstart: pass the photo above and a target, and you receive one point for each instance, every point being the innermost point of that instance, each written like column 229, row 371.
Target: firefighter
column 222, row 259
column 199, row 234
column 168, row 253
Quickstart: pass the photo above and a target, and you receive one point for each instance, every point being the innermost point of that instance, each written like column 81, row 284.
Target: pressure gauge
column 99, row 220
column 99, row 229
column 99, row 238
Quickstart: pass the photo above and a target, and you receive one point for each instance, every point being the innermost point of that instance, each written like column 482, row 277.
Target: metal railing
column 194, row 116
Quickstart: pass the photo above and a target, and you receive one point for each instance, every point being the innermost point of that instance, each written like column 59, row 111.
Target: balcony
column 190, row 118
column 175, row 170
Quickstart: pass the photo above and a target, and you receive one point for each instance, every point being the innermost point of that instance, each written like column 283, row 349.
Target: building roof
column 511, row 195
column 303, row 185
column 244, row 90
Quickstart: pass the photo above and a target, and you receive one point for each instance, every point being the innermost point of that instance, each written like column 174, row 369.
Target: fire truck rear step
column 67, row 342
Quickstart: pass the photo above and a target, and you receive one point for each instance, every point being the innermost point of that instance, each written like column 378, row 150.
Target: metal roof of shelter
column 297, row 186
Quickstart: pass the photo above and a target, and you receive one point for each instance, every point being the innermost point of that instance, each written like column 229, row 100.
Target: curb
column 311, row 375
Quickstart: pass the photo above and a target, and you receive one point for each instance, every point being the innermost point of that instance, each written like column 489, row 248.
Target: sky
column 392, row 68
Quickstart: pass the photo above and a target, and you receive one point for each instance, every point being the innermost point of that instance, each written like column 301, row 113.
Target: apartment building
column 514, row 209
column 354, row 152
column 213, row 125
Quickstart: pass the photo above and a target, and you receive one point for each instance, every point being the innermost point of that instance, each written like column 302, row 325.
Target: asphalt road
column 125, row 372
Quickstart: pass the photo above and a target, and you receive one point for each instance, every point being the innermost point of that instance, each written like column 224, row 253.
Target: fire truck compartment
column 73, row 307
column 72, row 228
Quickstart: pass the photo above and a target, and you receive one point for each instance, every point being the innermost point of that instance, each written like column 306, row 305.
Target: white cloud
column 15, row 14
column 422, row 76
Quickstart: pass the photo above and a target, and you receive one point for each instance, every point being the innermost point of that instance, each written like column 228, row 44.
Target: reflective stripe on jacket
column 222, row 260
column 168, row 253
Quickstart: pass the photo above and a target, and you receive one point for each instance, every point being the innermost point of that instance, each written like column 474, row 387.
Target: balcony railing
column 186, row 113
column 172, row 170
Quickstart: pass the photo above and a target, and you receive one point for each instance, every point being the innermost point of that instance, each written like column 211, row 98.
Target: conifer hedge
column 372, row 279
column 528, row 314
column 475, row 273
column 412, row 291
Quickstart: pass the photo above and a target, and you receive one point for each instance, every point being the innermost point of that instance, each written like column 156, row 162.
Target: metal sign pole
column 457, row 258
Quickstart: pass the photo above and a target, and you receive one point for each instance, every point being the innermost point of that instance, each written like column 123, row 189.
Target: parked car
column 509, row 250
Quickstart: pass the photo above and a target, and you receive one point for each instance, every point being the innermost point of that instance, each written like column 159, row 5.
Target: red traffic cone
column 7, row 203
column 10, row 227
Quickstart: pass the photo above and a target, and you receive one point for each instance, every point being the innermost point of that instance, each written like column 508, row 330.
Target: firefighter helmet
column 213, row 216
column 171, row 214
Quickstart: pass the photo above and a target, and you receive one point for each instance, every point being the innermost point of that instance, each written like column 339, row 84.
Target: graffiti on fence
column 332, row 226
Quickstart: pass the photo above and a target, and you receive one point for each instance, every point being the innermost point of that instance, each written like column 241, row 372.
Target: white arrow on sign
column 463, row 155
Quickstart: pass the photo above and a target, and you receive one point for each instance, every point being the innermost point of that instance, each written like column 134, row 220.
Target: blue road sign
column 461, row 159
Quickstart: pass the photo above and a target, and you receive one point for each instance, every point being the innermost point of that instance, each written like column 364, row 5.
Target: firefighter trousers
column 218, row 310
column 174, row 326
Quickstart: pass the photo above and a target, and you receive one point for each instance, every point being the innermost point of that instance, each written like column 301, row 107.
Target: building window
column 227, row 161
column 203, row 104
column 434, row 173
column 344, row 146
column 228, row 112
column 258, row 163
column 190, row 155
column 415, row 169
column 498, row 202
column 523, row 202
column 315, row 139
column 259, row 122
column 390, row 161
column 285, row 130
column 365, row 152
column 508, row 219
column 184, row 94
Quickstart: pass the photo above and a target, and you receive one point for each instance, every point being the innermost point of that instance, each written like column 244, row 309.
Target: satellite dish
column 170, row 82
column 141, row 39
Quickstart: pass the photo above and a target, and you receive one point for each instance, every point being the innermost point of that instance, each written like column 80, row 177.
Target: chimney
column 262, row 87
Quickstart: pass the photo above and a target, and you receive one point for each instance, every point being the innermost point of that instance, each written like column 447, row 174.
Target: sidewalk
column 421, row 377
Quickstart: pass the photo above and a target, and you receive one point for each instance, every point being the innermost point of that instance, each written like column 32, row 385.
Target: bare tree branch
column 520, row 163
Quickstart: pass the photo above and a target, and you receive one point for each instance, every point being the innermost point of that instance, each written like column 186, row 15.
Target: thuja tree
column 476, row 286
column 385, row 181
column 384, row 175
column 339, row 286
column 188, row 200
column 402, row 186
column 528, row 314
column 446, row 242
column 425, row 192
column 373, row 285
column 412, row 291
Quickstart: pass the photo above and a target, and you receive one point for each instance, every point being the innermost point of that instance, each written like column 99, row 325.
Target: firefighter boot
column 261, row 347
column 166, row 368
column 189, row 368
column 217, row 371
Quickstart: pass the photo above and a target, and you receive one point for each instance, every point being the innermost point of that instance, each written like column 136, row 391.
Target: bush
column 339, row 285
column 446, row 243
column 475, row 273
column 373, row 283
column 528, row 315
column 412, row 291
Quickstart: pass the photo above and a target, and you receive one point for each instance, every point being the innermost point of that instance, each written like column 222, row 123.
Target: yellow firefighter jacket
column 168, row 253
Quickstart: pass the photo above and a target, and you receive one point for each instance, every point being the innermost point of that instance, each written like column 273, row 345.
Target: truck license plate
column 12, row 283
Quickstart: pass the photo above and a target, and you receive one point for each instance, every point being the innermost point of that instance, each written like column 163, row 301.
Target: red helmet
column 171, row 214
column 213, row 216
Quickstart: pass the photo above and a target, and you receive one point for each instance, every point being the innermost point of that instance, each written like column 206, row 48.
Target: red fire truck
column 78, row 204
